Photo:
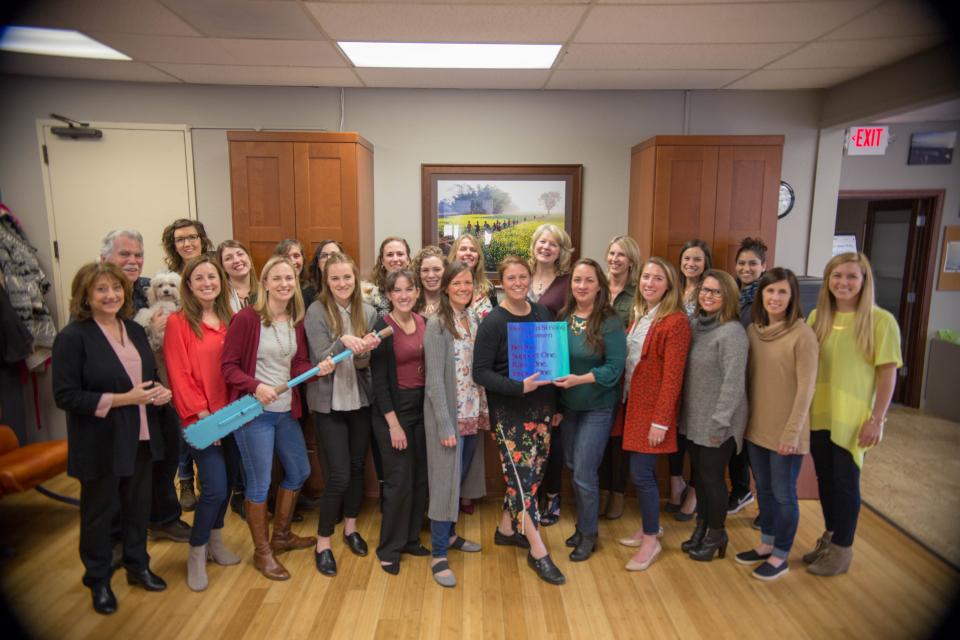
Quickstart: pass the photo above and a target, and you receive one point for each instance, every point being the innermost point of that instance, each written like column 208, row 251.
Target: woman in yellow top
column 859, row 358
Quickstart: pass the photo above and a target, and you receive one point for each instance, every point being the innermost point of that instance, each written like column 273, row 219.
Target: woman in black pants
column 336, row 321
column 398, row 386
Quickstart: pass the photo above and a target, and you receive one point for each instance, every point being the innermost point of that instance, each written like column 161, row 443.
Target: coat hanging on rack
column 25, row 282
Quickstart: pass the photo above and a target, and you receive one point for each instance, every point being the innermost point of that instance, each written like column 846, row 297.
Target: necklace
column 276, row 335
column 577, row 325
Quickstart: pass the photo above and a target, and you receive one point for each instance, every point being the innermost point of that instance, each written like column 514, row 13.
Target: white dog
column 164, row 297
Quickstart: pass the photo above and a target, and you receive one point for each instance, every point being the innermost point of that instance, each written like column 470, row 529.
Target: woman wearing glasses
column 184, row 239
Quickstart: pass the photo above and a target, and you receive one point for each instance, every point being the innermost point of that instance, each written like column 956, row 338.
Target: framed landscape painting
column 499, row 205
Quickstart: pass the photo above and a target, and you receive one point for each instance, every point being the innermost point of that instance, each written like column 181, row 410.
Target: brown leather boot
column 263, row 558
column 283, row 539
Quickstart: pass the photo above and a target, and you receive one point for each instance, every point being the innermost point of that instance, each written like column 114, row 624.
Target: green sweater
column 606, row 368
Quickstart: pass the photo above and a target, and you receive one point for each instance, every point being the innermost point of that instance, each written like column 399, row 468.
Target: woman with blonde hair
column 856, row 375
column 551, row 253
column 266, row 346
column 623, row 272
column 657, row 346
column 427, row 267
column 467, row 249
column 394, row 255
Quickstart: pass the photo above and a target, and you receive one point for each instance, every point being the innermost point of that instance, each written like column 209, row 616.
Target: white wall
column 891, row 171
column 410, row 127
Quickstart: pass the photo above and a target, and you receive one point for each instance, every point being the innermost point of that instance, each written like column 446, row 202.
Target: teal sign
column 538, row 347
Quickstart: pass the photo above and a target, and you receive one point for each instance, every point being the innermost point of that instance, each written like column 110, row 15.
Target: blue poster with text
column 538, row 346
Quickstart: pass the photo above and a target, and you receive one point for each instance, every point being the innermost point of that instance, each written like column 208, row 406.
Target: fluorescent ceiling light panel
column 448, row 55
column 56, row 42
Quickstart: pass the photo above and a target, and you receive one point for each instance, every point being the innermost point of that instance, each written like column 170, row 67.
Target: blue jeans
column 468, row 447
column 776, row 478
column 585, row 435
column 643, row 470
column 257, row 442
column 217, row 466
column 440, row 534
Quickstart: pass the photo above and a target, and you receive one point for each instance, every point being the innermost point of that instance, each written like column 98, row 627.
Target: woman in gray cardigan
column 455, row 408
column 713, row 413
column 339, row 320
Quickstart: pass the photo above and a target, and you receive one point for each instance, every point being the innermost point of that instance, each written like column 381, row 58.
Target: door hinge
column 56, row 250
column 911, row 297
column 46, row 157
column 921, row 221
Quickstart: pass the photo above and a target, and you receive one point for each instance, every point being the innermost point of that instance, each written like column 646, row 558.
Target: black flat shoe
column 415, row 549
column 545, row 569
column 356, row 544
column 104, row 602
column 326, row 563
column 146, row 579
column 393, row 568
column 513, row 540
column 573, row 540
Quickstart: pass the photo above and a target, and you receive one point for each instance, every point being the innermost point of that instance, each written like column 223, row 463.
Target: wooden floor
column 895, row 588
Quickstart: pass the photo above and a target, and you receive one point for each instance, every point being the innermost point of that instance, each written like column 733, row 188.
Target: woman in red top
column 657, row 345
column 192, row 346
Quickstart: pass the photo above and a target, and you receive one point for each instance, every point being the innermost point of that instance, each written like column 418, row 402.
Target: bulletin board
column 950, row 260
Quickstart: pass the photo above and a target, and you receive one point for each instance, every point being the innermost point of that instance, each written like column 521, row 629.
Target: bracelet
column 882, row 421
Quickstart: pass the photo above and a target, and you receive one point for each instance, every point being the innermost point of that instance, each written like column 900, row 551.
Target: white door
column 136, row 176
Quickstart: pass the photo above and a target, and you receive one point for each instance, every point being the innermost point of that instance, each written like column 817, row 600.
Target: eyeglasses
column 191, row 238
column 712, row 293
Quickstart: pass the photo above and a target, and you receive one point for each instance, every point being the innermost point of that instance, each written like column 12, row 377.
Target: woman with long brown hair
column 428, row 266
column 184, row 239
column 393, row 255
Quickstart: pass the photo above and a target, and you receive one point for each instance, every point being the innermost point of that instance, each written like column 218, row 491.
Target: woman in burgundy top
column 398, row 373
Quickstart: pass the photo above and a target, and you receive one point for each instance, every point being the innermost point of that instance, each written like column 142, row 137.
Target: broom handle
column 343, row 355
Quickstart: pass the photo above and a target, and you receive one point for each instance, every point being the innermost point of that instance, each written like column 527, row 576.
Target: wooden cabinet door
column 685, row 193
column 262, row 187
column 748, row 186
column 326, row 197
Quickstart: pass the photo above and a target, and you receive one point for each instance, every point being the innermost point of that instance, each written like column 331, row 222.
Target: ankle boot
column 715, row 541
column 615, row 506
column 832, row 563
column 823, row 542
column 188, row 497
column 197, row 568
column 585, row 547
column 283, row 539
column 263, row 558
column 696, row 539
column 218, row 552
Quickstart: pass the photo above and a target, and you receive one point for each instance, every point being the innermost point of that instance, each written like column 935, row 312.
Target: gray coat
column 321, row 343
column 714, row 404
column 440, row 422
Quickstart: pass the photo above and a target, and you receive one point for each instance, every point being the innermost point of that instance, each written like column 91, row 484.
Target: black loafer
column 415, row 549
column 356, row 544
column 573, row 540
column 514, row 540
column 146, row 579
column 545, row 569
column 393, row 568
column 326, row 563
column 104, row 602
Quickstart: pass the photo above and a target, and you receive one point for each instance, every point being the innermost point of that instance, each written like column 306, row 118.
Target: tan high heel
column 633, row 565
column 636, row 542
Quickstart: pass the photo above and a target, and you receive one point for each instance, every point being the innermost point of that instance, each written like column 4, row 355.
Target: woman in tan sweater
column 783, row 374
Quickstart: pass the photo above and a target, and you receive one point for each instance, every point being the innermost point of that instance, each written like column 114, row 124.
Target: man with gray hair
column 124, row 248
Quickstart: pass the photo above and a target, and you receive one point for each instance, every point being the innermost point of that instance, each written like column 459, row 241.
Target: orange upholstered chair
column 24, row 468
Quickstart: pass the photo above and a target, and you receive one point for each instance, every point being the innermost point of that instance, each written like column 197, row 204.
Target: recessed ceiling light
column 448, row 55
column 56, row 42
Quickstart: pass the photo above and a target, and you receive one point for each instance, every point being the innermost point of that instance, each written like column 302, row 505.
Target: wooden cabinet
column 715, row 188
column 312, row 186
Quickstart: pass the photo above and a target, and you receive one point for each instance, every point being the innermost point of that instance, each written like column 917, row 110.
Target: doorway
column 896, row 230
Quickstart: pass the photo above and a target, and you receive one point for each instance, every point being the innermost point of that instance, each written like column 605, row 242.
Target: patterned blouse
column 472, row 412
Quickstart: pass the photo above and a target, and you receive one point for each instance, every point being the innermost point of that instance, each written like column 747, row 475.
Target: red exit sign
column 867, row 141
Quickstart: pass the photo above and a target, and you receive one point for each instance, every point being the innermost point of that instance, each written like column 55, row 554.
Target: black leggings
column 838, row 480
column 708, row 465
column 344, row 437
column 675, row 460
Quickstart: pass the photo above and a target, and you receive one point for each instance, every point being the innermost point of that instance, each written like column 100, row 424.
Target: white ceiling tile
column 875, row 52
column 643, row 79
column 249, row 75
column 671, row 56
column 296, row 53
column 446, row 23
column 744, row 23
column 118, row 16
column 247, row 19
column 57, row 67
column 796, row 78
column 166, row 48
column 455, row 78
column 895, row 18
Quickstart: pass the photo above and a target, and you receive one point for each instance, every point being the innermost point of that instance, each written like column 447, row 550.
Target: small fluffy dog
column 164, row 296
